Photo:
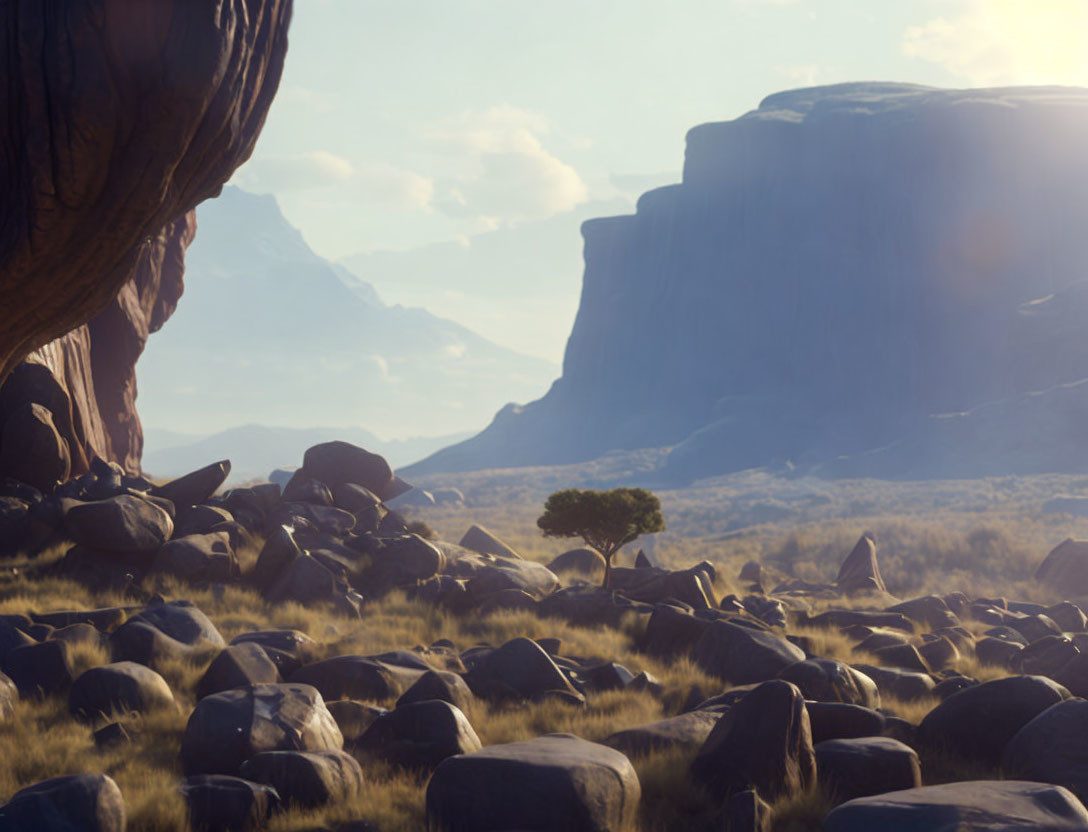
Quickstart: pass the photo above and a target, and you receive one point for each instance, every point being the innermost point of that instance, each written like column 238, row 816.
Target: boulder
column 838, row 721
column 200, row 519
column 558, row 781
column 1068, row 616
column 971, row 806
column 979, row 721
column 1052, row 748
column 996, row 652
column 304, row 489
column 74, row 803
column 354, row 717
column 418, row 735
column 904, row 685
column 9, row 695
column 120, row 688
column 39, row 669
column 195, row 487
column 689, row 586
column 687, row 731
column 227, row 728
column 125, row 524
column 826, row 680
column 585, row 561
column 288, row 649
column 902, row 656
column 32, row 449
column 859, row 573
column 438, row 684
column 164, row 631
column 851, row 768
column 938, row 652
column 219, row 802
column 495, row 574
column 763, row 742
column 747, row 812
column 742, row 655
column 307, row 581
column 237, row 666
column 336, row 463
column 672, row 631
column 198, row 558
column 306, row 779
column 478, row 539
column 518, row 669
column 930, row 611
column 278, row 553
column 362, row 678
column 1065, row 569
column 405, row 559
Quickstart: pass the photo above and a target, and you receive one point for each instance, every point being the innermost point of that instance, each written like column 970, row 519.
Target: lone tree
column 605, row 520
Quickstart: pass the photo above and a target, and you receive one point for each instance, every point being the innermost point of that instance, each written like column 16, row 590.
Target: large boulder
column 121, row 688
column 363, row 678
column 198, row 558
column 860, row 573
column 481, row 540
column 418, row 735
column 306, row 779
column 1065, row 569
column 336, row 463
column 43, row 669
column 687, row 731
column 827, row 680
column 220, row 802
column 557, row 781
column 585, row 561
column 73, row 803
column 1052, row 748
column 227, row 728
column 237, row 666
column 438, row 684
column 853, row 768
column 979, row 721
column 195, row 487
column 763, row 742
column 519, row 669
column 171, row 630
column 125, row 524
column 32, row 449
column 971, row 806
column 743, row 655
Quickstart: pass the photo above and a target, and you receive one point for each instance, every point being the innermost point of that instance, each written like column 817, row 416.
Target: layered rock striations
column 120, row 120
column 839, row 272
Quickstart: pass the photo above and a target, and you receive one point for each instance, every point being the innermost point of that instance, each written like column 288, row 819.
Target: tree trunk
column 607, row 584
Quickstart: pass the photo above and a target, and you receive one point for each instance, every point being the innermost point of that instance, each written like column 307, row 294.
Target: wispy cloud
column 510, row 175
column 989, row 42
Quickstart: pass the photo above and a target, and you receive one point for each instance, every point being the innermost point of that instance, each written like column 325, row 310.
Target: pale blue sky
column 402, row 123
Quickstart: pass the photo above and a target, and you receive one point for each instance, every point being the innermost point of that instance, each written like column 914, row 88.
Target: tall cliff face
column 837, row 267
column 119, row 118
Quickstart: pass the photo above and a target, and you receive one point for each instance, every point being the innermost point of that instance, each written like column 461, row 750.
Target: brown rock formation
column 120, row 118
column 87, row 378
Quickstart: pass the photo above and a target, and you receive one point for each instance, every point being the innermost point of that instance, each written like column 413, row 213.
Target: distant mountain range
column 256, row 450
column 268, row 332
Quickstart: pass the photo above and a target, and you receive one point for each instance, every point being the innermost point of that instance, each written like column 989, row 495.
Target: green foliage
column 605, row 520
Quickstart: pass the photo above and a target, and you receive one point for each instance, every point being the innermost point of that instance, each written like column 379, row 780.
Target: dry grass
column 984, row 537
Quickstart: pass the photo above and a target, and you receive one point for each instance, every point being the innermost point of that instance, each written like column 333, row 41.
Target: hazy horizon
column 401, row 126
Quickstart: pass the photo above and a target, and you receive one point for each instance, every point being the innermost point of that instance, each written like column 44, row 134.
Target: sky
column 411, row 133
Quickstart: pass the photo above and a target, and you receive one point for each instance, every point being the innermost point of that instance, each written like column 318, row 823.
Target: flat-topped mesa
column 122, row 121
column 837, row 268
column 126, row 120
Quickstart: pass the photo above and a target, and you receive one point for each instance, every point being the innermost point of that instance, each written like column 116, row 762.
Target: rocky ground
column 298, row 655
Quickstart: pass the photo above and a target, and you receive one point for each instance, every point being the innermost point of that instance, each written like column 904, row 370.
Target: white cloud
column 378, row 184
column 299, row 171
column 510, row 175
column 803, row 75
column 988, row 42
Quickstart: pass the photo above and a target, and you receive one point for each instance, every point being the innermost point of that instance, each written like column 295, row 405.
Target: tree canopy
column 605, row 520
